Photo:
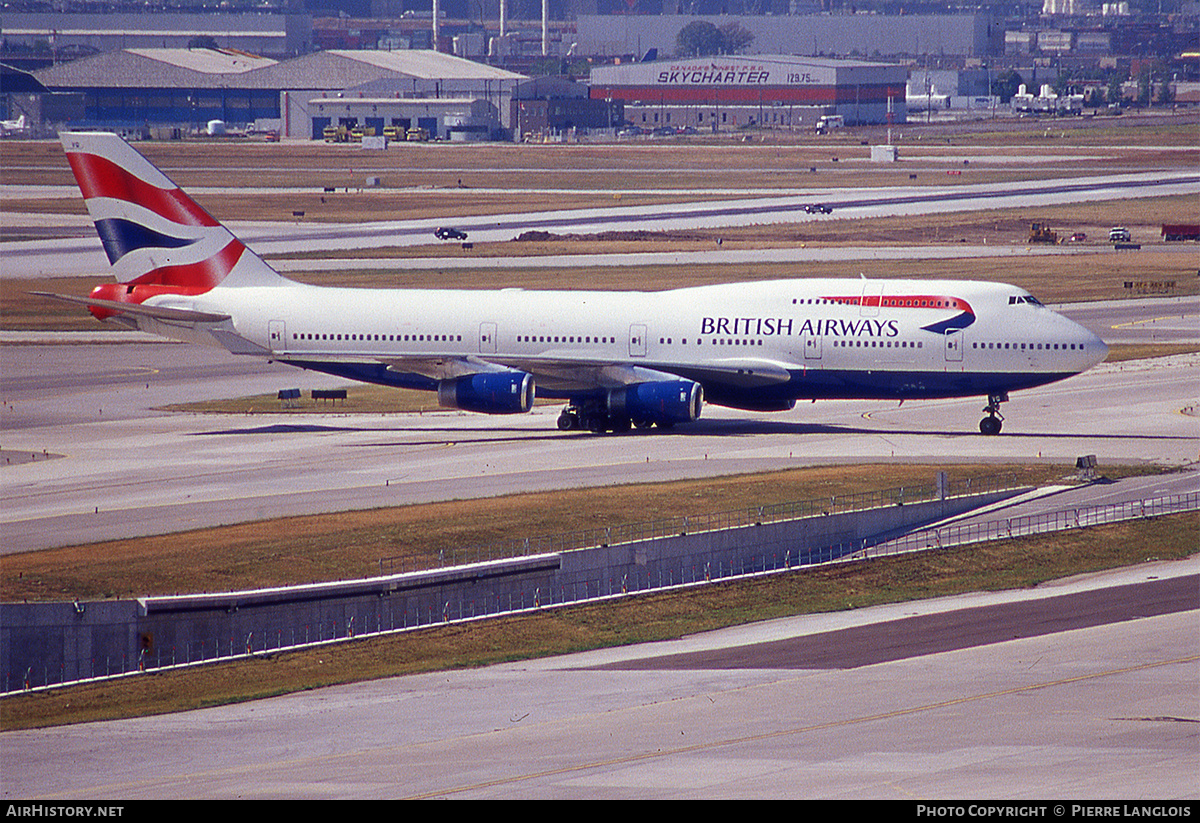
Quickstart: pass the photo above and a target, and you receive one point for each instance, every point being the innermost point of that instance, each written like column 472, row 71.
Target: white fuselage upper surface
column 781, row 328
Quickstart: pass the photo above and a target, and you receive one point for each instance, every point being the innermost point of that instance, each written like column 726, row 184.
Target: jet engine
column 662, row 403
column 509, row 392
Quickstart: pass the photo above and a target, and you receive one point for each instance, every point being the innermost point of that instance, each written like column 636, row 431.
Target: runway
column 80, row 255
column 90, row 459
column 1092, row 709
column 1014, row 702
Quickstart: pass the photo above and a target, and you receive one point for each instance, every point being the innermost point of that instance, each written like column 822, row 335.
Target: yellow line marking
column 1132, row 323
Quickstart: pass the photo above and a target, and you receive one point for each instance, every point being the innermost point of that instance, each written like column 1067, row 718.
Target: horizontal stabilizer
column 156, row 312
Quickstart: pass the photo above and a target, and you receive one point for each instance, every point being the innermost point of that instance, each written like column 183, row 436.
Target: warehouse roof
column 207, row 61
column 154, row 68
column 345, row 69
column 229, row 68
column 428, row 65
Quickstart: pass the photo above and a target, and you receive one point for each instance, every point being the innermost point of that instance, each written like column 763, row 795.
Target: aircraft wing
column 574, row 373
column 443, row 368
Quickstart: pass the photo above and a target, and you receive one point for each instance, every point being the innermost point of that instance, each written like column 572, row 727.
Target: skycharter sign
column 711, row 73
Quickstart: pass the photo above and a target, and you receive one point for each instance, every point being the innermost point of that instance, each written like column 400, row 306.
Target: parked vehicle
column 1119, row 234
column 1181, row 231
column 450, row 233
column 830, row 122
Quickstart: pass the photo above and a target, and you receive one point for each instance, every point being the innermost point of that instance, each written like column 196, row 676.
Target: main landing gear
column 597, row 420
column 992, row 423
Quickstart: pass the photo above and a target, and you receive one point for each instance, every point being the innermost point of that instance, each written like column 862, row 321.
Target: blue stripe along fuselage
column 121, row 236
column 808, row 384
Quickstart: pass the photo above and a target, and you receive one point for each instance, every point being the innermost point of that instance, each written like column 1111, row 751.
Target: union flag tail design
column 157, row 239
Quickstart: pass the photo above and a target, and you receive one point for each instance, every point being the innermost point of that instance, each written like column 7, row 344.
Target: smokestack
column 437, row 26
column 503, row 17
column 545, row 28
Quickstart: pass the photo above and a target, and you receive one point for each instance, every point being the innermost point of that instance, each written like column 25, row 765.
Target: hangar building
column 784, row 91
column 179, row 87
column 166, row 87
column 403, row 75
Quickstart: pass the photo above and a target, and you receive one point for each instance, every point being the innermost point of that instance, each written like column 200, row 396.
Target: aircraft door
column 637, row 340
column 872, row 297
column 277, row 336
column 487, row 338
column 954, row 346
column 812, row 347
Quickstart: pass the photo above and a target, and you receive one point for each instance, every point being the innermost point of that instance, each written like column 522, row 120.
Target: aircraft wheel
column 989, row 425
column 567, row 421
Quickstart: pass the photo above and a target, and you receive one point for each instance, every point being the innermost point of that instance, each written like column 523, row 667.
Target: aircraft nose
column 1095, row 349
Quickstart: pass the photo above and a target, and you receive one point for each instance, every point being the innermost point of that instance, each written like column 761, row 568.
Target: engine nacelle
column 509, row 392
column 665, row 402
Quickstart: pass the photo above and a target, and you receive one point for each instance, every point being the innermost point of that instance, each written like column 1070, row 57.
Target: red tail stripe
column 100, row 177
column 200, row 276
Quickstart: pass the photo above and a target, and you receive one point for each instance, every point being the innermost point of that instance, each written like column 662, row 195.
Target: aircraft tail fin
column 154, row 234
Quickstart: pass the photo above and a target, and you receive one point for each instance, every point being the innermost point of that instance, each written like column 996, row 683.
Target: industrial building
column 72, row 35
column 717, row 93
column 459, row 119
column 556, row 106
column 412, row 75
column 868, row 35
column 186, row 88
column 177, row 87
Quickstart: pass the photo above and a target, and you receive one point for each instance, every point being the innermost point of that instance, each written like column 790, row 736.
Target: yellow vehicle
column 417, row 135
column 391, row 132
column 332, row 134
column 1041, row 233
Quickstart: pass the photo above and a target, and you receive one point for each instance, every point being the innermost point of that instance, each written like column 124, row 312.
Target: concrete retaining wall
column 48, row 643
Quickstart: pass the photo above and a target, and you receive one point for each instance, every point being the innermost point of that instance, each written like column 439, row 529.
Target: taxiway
column 1008, row 695
column 89, row 457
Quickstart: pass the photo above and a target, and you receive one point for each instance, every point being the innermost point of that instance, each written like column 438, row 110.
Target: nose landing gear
column 992, row 423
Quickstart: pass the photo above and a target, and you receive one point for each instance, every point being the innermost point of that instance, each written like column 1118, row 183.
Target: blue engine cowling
column 509, row 392
column 666, row 402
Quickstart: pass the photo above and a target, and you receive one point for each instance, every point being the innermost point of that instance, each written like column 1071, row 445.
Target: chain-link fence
column 698, row 523
column 1025, row 525
column 137, row 636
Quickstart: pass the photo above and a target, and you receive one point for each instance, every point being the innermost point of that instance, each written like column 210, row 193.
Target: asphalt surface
column 944, row 631
column 71, row 257
column 1092, row 709
column 1079, row 689
column 90, row 458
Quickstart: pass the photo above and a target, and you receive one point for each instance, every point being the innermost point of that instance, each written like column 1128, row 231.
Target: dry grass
column 335, row 546
column 1053, row 278
column 451, row 180
column 650, row 617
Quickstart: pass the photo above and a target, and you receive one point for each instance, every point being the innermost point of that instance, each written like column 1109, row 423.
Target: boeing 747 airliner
column 618, row 359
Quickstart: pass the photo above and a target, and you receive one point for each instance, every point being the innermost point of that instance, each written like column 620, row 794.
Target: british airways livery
column 618, row 359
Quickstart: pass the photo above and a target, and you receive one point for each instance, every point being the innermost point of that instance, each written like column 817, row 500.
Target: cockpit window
column 1023, row 298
